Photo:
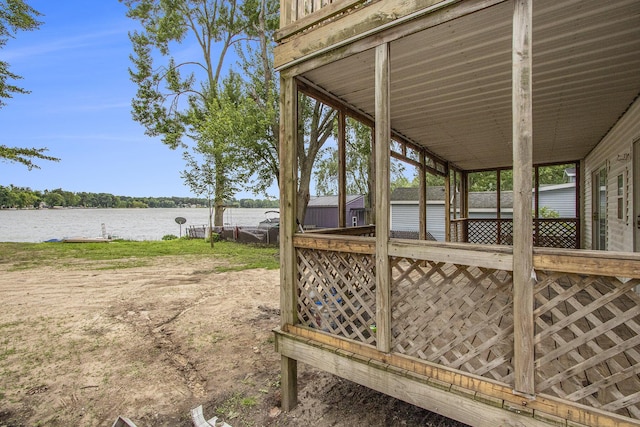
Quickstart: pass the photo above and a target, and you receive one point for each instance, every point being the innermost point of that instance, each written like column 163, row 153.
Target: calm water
column 132, row 224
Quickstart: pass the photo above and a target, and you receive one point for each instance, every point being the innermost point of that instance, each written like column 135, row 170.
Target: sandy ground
column 81, row 345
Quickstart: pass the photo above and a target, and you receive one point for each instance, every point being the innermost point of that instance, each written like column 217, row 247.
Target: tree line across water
column 12, row 197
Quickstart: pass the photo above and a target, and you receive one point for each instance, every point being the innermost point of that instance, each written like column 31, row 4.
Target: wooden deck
column 455, row 312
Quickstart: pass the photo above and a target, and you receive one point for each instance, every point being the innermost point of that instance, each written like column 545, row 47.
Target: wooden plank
column 357, row 245
column 454, row 253
column 342, row 169
column 362, row 230
column 383, row 183
column 285, row 12
column 289, row 27
column 597, row 263
column 447, row 207
column 388, row 21
column 523, row 274
column 288, row 187
column 404, row 385
column 484, row 388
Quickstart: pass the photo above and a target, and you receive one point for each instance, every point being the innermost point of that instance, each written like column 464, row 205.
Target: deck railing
column 452, row 306
column 547, row 232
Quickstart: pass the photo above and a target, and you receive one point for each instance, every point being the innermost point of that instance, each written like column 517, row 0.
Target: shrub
column 169, row 237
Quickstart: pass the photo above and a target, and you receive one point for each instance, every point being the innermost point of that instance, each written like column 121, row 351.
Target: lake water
column 132, row 224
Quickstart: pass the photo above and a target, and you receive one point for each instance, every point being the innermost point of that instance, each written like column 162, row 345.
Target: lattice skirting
column 336, row 293
column 457, row 316
column 587, row 340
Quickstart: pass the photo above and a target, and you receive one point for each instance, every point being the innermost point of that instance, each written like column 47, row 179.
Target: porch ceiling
column 451, row 84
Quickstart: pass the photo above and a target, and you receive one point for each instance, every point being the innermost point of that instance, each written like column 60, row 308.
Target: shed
column 322, row 211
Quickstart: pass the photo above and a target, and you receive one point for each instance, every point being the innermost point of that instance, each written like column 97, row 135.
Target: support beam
column 523, row 273
column 288, row 186
column 342, row 169
column 447, row 206
column 382, row 206
column 422, row 202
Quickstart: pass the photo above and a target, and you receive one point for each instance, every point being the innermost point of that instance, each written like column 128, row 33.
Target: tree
column 261, row 110
column 201, row 178
column 25, row 156
column 175, row 100
column 15, row 15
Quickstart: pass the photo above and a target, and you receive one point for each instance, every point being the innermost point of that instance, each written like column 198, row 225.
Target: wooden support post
column 372, row 179
column 422, row 202
column 464, row 195
column 383, row 182
column 447, row 206
column 342, row 169
column 288, row 263
column 523, row 274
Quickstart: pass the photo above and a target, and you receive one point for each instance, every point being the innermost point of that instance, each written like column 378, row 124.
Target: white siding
column 562, row 199
column 615, row 152
column 405, row 217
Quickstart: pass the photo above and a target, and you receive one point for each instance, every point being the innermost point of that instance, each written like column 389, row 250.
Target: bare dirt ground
column 81, row 345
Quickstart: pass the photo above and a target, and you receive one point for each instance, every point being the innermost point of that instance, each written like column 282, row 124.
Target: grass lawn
column 123, row 254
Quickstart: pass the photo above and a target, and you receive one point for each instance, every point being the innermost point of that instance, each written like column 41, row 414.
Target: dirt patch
column 81, row 345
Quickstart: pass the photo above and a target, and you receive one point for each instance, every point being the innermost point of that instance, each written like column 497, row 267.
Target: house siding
column 405, row 217
column 561, row 199
column 615, row 152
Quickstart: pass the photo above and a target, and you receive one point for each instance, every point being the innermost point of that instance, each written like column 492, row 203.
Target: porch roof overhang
column 451, row 82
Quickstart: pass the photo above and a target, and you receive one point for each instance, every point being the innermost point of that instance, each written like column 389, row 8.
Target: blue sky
column 76, row 67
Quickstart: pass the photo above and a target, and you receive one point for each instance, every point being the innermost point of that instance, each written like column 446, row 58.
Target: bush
column 216, row 237
column 169, row 237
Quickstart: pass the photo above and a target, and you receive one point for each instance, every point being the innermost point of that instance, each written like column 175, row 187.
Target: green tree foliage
column 176, row 98
column 15, row 15
column 357, row 158
column 24, row 156
column 22, row 197
column 260, row 127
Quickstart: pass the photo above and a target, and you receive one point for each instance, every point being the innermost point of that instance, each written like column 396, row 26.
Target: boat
column 270, row 222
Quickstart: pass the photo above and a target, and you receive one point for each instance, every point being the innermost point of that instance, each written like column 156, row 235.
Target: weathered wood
column 285, row 12
column 523, row 274
column 597, row 263
column 447, row 207
column 350, row 244
column 454, row 253
column 342, row 169
column 290, row 27
column 388, row 21
column 422, row 202
column 288, row 186
column 383, row 203
column 353, row 352
column 363, row 230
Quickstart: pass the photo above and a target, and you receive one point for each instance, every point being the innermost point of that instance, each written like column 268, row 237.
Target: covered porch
column 514, row 331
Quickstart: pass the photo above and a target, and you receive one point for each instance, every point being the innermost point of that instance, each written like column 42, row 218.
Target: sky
column 76, row 67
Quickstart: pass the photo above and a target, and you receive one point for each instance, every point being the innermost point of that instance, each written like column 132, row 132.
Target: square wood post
column 342, row 169
column 383, row 178
column 288, row 263
column 422, row 198
column 523, row 274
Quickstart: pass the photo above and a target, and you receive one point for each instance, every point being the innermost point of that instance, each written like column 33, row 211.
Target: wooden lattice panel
column 556, row 233
column 587, row 340
column 454, row 315
column 336, row 293
column 490, row 231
